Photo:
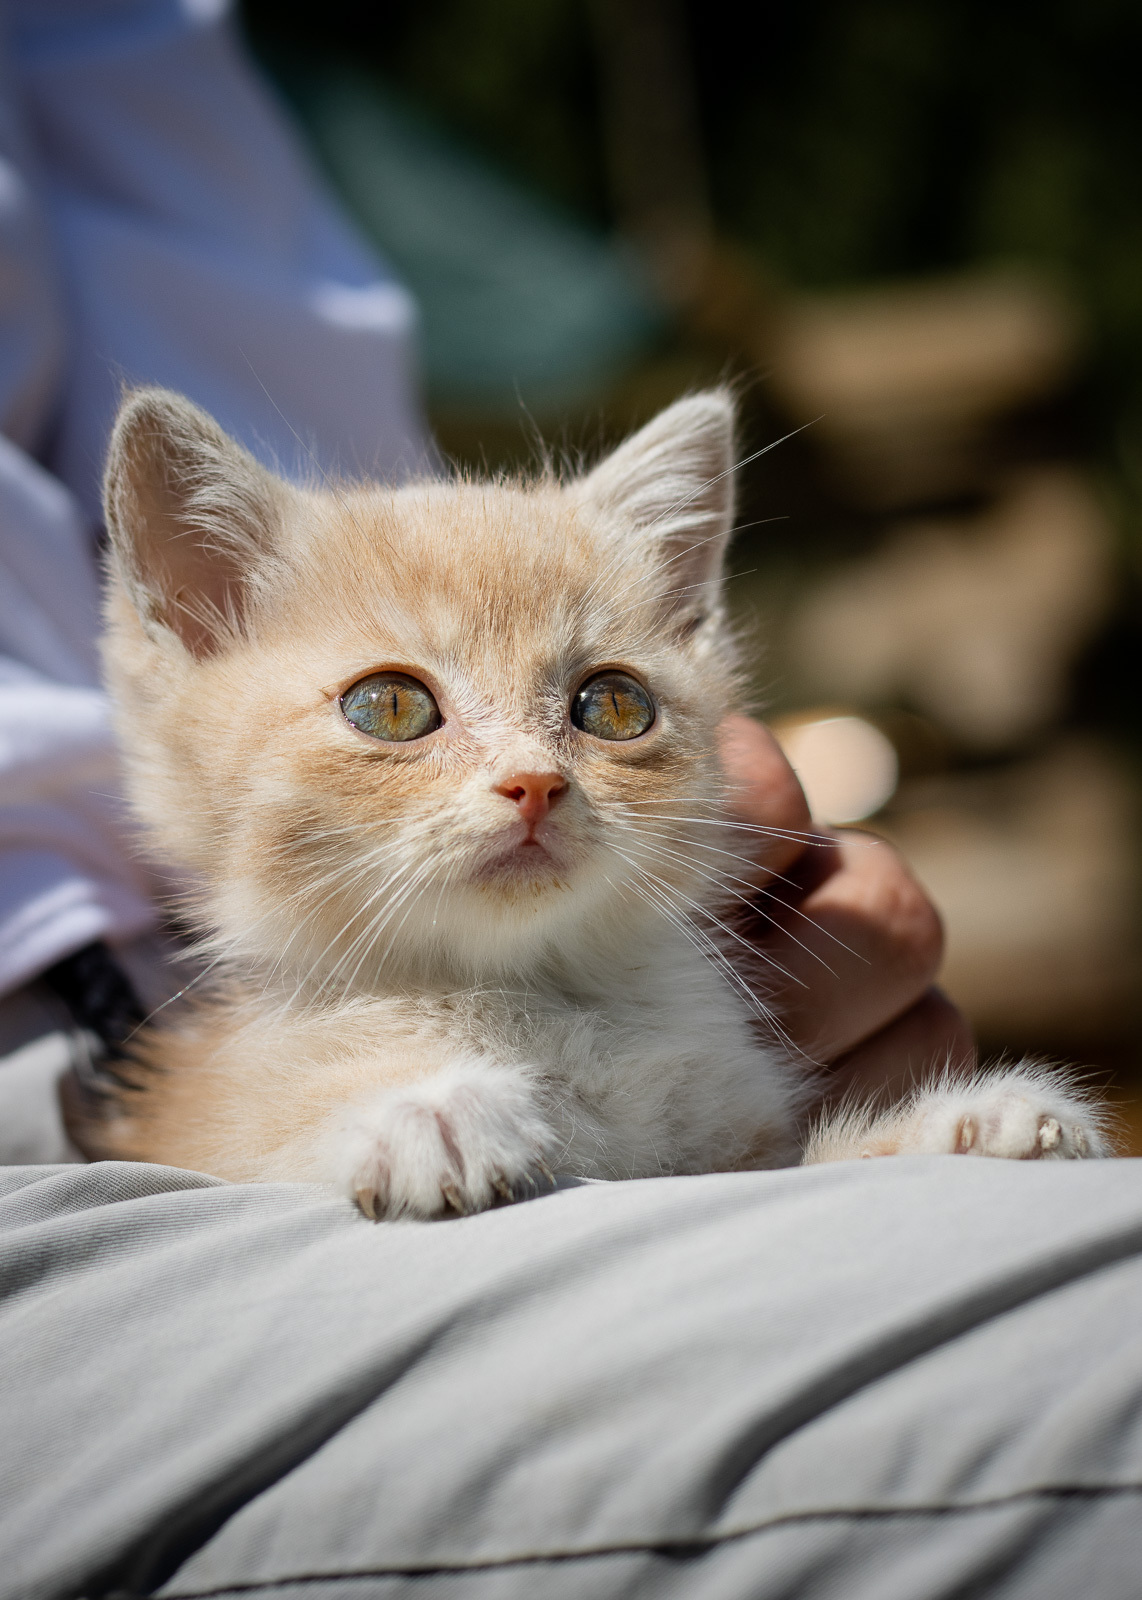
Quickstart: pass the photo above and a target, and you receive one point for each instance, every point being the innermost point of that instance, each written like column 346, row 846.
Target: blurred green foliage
column 844, row 140
column 864, row 140
column 517, row 77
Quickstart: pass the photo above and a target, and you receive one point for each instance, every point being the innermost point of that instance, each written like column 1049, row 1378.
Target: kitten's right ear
column 669, row 490
column 192, row 519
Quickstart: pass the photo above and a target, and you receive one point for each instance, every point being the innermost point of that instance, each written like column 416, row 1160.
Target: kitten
column 443, row 762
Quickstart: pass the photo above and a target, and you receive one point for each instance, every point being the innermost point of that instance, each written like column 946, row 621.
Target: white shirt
column 159, row 223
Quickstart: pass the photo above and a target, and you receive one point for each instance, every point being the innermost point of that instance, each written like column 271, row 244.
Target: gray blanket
column 887, row 1380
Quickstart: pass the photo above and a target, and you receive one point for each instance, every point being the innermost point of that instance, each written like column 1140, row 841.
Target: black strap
column 99, row 995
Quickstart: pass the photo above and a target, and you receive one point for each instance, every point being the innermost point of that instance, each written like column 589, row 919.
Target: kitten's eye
column 390, row 705
column 612, row 705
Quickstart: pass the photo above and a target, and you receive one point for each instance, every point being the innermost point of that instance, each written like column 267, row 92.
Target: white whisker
column 723, row 882
column 756, row 892
column 746, row 827
column 656, row 894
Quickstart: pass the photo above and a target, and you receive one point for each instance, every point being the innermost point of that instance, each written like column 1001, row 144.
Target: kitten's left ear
column 670, row 487
column 192, row 519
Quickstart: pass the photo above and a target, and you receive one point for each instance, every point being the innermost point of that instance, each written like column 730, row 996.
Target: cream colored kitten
column 443, row 760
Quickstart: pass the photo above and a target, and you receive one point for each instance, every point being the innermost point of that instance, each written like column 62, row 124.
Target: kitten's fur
column 407, row 1003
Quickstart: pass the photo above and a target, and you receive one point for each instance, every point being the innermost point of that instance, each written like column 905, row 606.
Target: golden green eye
column 612, row 705
column 391, row 705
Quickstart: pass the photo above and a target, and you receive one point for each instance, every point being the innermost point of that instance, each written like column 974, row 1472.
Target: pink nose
column 533, row 792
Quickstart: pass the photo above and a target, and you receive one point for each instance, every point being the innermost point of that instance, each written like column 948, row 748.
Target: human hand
column 851, row 940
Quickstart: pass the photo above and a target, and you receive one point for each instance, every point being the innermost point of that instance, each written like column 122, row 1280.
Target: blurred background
column 910, row 231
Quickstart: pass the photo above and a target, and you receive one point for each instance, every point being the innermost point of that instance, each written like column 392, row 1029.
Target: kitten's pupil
column 391, row 706
column 612, row 705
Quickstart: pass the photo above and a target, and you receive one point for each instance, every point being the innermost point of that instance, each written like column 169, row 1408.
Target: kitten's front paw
column 1025, row 1115
column 457, row 1141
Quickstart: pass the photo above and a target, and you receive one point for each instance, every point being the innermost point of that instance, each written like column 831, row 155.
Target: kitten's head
column 454, row 728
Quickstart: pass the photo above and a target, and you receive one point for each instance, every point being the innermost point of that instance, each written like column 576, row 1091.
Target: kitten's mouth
column 527, row 858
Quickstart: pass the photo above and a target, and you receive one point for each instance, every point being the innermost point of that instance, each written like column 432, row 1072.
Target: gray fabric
column 31, row 1121
column 39, row 1043
column 885, row 1380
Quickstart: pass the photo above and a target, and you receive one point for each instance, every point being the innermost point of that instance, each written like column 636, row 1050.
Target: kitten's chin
column 523, row 870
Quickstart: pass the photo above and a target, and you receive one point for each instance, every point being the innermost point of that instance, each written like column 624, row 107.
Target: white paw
column 457, row 1141
column 1025, row 1115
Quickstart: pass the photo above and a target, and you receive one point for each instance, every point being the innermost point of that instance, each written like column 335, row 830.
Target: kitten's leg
column 1024, row 1113
column 456, row 1140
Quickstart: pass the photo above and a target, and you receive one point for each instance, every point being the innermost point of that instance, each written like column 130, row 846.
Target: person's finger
column 854, row 952
column 931, row 1035
column 856, row 936
column 764, row 794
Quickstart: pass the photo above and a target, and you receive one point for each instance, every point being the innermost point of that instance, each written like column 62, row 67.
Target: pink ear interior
column 669, row 489
column 190, row 515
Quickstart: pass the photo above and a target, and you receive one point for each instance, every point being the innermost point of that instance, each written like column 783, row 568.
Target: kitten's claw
column 1023, row 1116
column 1017, row 1128
column 455, row 1142
column 545, row 1170
column 1027, row 1113
column 1050, row 1135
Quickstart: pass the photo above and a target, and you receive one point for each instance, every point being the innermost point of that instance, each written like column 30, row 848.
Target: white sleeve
column 159, row 223
column 67, row 871
column 199, row 248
